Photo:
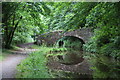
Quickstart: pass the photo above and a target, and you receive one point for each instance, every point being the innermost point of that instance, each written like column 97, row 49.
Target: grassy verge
column 1, row 56
column 35, row 65
column 4, row 53
column 35, row 46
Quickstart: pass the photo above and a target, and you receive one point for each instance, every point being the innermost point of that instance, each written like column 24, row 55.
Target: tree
column 103, row 18
column 68, row 16
column 18, row 15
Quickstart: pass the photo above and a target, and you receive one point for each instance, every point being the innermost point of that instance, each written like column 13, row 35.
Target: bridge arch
column 71, row 39
column 76, row 37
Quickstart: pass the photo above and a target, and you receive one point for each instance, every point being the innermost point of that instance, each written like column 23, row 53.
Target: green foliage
column 70, row 42
column 1, row 57
column 64, row 55
column 106, row 32
column 104, row 67
column 21, row 21
column 34, row 66
column 99, row 16
column 58, row 49
column 76, row 44
column 105, row 42
column 102, row 15
column 4, row 53
column 35, row 47
column 55, row 55
column 67, row 16
column 54, row 52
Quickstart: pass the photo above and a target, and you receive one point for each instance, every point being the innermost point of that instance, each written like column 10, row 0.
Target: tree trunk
column 10, row 37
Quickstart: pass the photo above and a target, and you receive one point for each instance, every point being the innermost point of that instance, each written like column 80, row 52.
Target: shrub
column 34, row 66
column 104, row 42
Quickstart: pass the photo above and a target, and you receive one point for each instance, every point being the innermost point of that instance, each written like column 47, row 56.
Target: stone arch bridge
column 51, row 38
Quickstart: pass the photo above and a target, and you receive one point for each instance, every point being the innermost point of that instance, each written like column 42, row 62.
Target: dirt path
column 10, row 63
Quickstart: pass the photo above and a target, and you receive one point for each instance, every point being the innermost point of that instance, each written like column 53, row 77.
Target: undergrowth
column 34, row 66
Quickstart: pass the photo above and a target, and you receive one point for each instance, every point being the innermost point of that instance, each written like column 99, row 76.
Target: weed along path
column 12, row 60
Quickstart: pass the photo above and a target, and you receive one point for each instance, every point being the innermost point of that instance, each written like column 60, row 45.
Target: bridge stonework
column 51, row 37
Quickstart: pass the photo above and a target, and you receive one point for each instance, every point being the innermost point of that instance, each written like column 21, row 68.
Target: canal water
column 79, row 64
column 75, row 63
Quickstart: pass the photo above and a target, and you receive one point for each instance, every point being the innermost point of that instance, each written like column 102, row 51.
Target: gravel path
column 9, row 64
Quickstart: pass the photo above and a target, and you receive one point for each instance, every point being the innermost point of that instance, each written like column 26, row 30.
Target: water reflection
column 71, row 57
column 79, row 64
column 69, row 63
column 103, row 66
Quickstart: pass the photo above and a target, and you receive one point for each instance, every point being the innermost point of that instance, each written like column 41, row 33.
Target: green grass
column 34, row 66
column 15, row 47
column 1, row 54
column 4, row 53
column 35, row 47
column 1, row 57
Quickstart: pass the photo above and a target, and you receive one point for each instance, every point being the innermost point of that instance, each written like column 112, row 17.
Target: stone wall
column 50, row 38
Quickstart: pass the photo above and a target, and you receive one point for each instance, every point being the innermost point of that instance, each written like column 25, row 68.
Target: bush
column 104, row 42
column 34, row 66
